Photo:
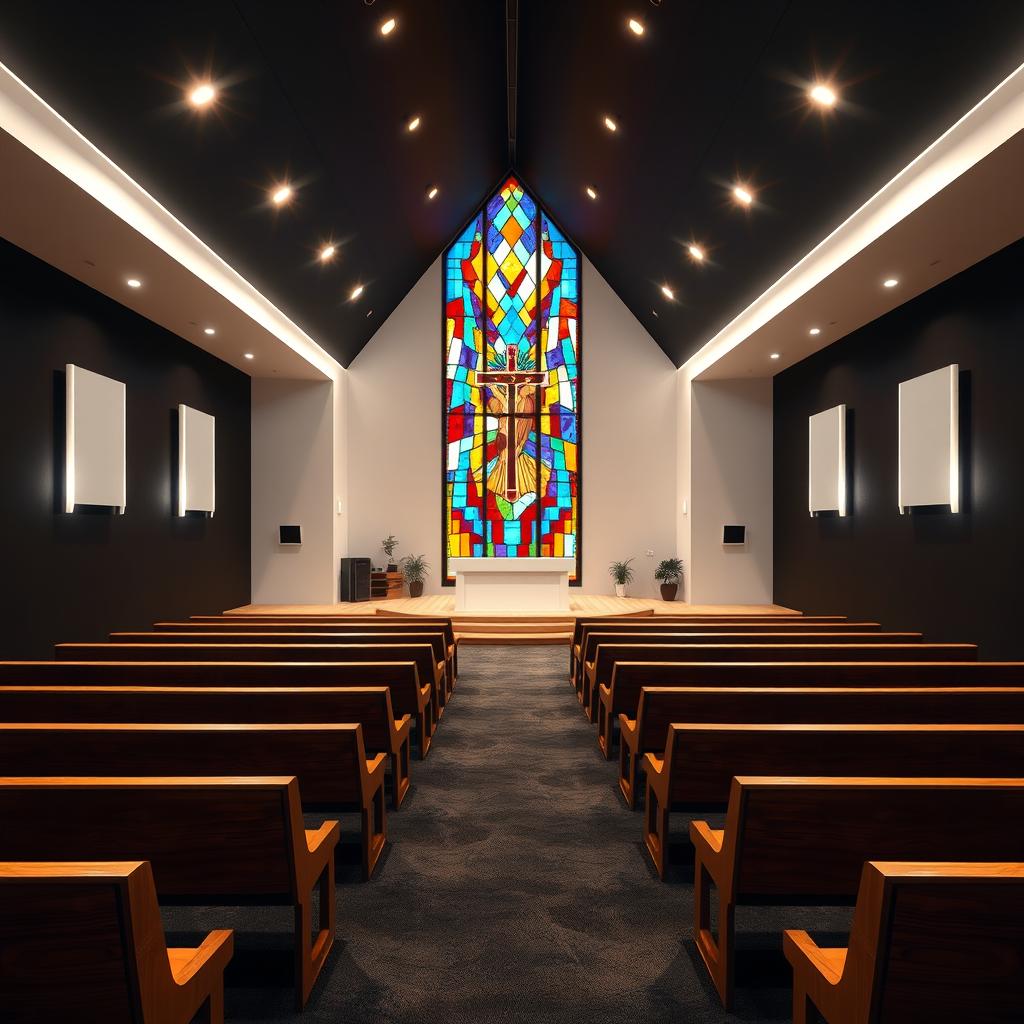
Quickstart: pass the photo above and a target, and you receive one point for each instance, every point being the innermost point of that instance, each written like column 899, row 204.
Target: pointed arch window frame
column 480, row 212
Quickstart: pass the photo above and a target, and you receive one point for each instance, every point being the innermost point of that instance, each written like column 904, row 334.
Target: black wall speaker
column 355, row 579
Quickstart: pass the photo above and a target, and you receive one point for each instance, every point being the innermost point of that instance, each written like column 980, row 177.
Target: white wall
column 628, row 422
column 730, row 456
column 293, row 481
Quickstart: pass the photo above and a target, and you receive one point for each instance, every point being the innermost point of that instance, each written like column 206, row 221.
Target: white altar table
column 511, row 584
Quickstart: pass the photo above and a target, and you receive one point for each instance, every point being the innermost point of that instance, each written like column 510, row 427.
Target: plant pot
column 416, row 588
column 620, row 589
column 668, row 591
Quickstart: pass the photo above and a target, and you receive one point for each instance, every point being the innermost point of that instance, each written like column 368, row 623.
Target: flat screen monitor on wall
column 734, row 535
column 290, row 534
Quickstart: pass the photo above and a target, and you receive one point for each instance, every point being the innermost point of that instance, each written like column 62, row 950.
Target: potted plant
column 415, row 568
column 389, row 544
column 622, row 573
column 668, row 573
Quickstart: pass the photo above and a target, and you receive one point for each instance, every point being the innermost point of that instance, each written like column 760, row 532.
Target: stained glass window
column 511, row 342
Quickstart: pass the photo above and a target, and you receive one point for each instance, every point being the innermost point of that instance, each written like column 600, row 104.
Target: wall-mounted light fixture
column 95, row 443
column 929, row 440
column 826, row 469
column 197, row 471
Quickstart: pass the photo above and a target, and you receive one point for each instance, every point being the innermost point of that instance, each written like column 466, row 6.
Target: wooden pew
column 593, row 640
column 781, row 649
column 419, row 652
column 659, row 708
column 370, row 707
column 648, row 614
column 798, row 840
column 656, row 625
column 929, row 942
column 216, row 841
column 700, row 760
column 77, row 936
column 329, row 760
column 408, row 695
column 341, row 624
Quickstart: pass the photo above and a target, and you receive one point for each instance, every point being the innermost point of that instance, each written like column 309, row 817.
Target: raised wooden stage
column 525, row 627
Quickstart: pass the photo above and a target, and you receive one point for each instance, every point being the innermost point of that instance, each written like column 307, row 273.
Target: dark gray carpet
column 515, row 889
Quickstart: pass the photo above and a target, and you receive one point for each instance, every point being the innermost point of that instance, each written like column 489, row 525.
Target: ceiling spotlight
column 890, row 282
column 432, row 192
column 591, row 192
column 327, row 253
column 209, row 330
column 610, row 124
column 356, row 292
column 388, row 27
column 133, row 282
column 281, row 195
column 635, row 27
column 667, row 292
column 814, row 331
column 775, row 355
column 248, row 355
column 742, row 195
column 823, row 95
column 696, row 253
column 413, row 124
column 202, row 95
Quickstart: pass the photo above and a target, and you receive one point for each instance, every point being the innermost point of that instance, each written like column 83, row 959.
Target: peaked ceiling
column 314, row 94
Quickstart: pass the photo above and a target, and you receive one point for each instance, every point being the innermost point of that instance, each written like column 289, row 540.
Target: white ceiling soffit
column 67, row 204
column 958, row 202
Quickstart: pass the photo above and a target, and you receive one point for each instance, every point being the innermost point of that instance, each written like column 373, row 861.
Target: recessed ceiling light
column 356, row 292
column 281, row 195
column 432, row 192
column 610, row 124
column 327, row 253
column 202, row 95
column 635, row 27
column 775, row 355
column 667, row 292
column 210, row 330
column 133, row 282
column 823, row 95
column 388, row 27
column 890, row 282
column 591, row 192
column 696, row 253
column 413, row 124
column 248, row 355
column 814, row 331
column 742, row 195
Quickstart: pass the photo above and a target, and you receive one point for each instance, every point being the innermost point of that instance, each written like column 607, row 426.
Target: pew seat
column 211, row 841
column 328, row 760
column 930, row 942
column 370, row 707
column 699, row 761
column 805, row 840
column 409, row 696
column 84, row 941
column 659, row 707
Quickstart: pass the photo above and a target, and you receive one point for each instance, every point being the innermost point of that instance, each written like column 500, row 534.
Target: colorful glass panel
column 511, row 384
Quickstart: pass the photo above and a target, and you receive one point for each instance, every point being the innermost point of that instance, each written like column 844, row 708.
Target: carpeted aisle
column 515, row 888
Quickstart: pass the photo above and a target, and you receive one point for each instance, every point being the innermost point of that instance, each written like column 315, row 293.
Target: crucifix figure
column 512, row 380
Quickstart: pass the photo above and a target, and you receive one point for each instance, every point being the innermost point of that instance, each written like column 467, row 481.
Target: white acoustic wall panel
column 94, row 471
column 196, row 462
column 929, row 447
column 827, row 461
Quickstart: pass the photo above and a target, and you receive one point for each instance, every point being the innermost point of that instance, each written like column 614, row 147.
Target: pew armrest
column 329, row 832
column 627, row 726
column 711, row 839
column 403, row 726
column 805, row 955
column 375, row 766
column 212, row 954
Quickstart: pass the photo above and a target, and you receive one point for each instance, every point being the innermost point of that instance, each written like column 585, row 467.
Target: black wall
column 956, row 577
column 76, row 577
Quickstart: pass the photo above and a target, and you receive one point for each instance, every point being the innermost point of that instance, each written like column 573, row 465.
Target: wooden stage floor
column 510, row 627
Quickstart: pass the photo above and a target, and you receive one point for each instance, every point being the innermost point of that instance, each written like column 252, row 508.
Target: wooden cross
column 512, row 379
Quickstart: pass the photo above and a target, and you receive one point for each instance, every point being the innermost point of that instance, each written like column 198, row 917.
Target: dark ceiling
column 711, row 93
